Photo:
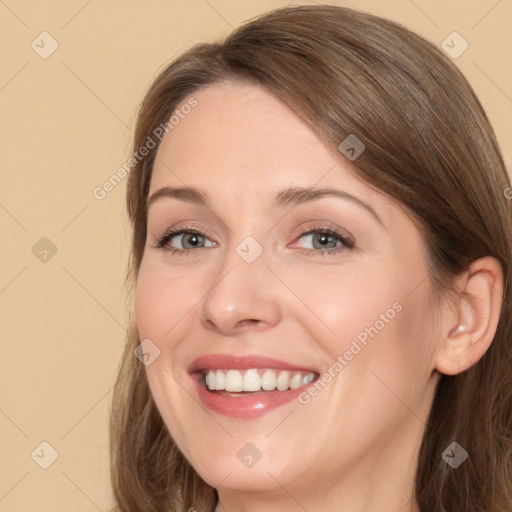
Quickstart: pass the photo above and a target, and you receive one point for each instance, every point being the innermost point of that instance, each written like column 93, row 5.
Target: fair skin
column 354, row 446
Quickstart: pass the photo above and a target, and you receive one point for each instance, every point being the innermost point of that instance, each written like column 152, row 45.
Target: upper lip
column 243, row 362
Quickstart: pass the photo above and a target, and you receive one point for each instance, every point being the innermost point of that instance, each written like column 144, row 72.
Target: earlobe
column 471, row 329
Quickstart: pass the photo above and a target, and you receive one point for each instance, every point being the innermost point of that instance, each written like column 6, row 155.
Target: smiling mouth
column 233, row 382
column 247, row 386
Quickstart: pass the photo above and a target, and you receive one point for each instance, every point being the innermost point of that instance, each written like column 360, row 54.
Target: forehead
column 239, row 125
column 240, row 139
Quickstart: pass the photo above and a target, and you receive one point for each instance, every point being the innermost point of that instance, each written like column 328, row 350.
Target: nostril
column 249, row 322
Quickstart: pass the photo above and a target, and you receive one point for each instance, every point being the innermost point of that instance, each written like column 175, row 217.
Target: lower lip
column 249, row 405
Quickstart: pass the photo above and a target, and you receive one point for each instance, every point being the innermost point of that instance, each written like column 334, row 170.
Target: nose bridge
column 242, row 293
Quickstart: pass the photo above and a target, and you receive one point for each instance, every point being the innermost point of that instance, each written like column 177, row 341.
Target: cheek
column 162, row 300
column 150, row 304
column 166, row 302
column 373, row 317
column 395, row 361
column 161, row 307
column 344, row 305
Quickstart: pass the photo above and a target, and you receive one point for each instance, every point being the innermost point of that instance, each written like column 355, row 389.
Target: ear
column 469, row 331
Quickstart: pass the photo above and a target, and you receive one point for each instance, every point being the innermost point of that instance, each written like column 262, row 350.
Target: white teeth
column 283, row 381
column 220, row 380
column 252, row 381
column 296, row 381
column 236, row 381
column 310, row 377
column 268, row 380
column 210, row 379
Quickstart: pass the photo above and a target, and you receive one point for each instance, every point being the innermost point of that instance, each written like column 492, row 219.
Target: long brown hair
column 429, row 147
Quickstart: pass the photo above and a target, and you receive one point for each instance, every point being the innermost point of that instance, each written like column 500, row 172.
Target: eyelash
column 348, row 242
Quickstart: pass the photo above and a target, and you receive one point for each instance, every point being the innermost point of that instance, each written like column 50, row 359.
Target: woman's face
column 274, row 285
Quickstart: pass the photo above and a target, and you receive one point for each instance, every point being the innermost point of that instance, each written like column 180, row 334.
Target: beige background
column 66, row 124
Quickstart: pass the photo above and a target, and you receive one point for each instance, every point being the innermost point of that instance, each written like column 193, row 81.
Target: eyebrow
column 290, row 196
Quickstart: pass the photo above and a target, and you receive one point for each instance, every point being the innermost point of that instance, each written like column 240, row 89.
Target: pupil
column 323, row 239
column 193, row 239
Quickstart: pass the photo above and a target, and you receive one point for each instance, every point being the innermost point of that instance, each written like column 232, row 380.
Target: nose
column 242, row 296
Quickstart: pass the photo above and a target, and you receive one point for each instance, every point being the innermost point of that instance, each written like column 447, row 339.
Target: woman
column 321, row 272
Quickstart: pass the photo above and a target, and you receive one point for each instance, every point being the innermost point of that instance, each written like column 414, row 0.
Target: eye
column 326, row 240
column 183, row 240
